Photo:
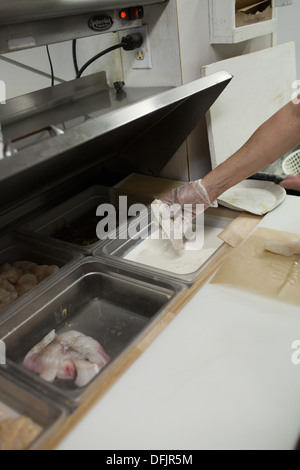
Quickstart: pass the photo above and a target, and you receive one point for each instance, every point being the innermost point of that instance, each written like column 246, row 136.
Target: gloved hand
column 179, row 207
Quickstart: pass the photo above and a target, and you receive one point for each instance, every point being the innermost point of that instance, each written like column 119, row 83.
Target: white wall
column 289, row 28
column 21, row 80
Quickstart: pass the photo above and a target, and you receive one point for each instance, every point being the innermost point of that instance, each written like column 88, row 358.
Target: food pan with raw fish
column 67, row 341
column 68, row 356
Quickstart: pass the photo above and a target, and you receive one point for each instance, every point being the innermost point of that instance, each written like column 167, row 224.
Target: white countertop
column 219, row 377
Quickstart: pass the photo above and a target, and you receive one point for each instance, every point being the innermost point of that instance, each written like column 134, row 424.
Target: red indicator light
column 130, row 14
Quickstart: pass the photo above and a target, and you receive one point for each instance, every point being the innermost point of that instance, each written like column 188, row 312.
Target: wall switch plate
column 141, row 58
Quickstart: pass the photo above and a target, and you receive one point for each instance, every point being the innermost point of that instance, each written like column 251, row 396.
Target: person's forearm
column 270, row 142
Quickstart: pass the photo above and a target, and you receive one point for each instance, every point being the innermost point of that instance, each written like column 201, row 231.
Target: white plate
column 257, row 197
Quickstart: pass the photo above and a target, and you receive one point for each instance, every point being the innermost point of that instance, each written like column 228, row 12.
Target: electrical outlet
column 141, row 58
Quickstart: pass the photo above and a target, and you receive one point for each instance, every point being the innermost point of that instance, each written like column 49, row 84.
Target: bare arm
column 270, row 142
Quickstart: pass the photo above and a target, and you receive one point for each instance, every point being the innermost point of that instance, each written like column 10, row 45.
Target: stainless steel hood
column 18, row 11
column 60, row 130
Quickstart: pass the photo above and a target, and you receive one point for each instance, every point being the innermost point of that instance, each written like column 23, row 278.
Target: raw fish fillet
column 284, row 248
column 68, row 356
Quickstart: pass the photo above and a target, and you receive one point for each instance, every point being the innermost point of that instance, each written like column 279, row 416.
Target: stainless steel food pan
column 121, row 244
column 106, row 301
column 17, row 400
column 15, row 247
column 72, row 223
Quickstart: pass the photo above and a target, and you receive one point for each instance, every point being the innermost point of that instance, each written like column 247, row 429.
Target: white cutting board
column 261, row 85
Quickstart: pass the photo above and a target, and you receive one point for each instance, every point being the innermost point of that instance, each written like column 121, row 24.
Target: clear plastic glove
column 175, row 211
